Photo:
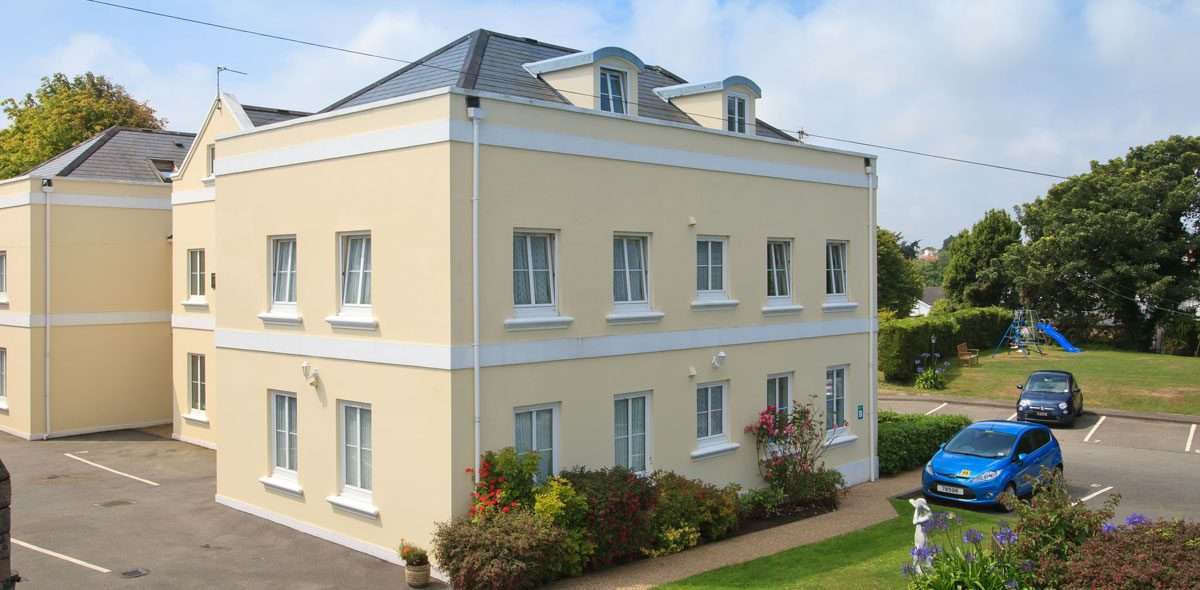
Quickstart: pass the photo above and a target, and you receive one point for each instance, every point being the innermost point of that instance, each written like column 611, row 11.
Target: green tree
column 899, row 280
column 932, row 270
column 976, row 274
column 1113, row 243
column 60, row 114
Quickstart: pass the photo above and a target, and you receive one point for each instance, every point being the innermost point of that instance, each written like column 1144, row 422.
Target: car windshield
column 979, row 442
column 1048, row 383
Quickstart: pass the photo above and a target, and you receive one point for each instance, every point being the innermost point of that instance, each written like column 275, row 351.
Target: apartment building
column 511, row 243
column 84, row 310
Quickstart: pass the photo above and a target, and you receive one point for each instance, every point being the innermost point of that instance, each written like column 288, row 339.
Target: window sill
column 715, row 449
column 355, row 505
column 274, row 318
column 283, row 485
column 196, row 416
column 195, row 303
column 837, row 439
column 3, row 299
column 208, row 181
column 711, row 304
column 782, row 308
column 839, row 306
column 550, row 322
column 353, row 322
column 635, row 317
column 4, row 405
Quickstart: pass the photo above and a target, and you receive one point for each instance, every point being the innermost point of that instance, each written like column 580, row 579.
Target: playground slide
column 1059, row 338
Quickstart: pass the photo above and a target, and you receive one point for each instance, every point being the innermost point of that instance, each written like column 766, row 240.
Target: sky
column 1047, row 86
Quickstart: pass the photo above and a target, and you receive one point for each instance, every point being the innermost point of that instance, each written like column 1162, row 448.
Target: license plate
column 949, row 490
column 1042, row 414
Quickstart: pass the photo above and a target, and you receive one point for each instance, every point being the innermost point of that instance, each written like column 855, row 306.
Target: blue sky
column 1041, row 85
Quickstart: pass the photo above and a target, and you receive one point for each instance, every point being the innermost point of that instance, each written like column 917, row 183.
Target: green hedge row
column 908, row 441
column 902, row 341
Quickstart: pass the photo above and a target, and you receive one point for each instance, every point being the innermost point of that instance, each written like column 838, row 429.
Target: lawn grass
column 1111, row 379
column 868, row 559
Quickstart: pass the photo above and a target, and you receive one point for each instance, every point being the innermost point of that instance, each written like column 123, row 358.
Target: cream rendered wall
column 23, row 407
column 708, row 108
column 23, row 345
column 580, row 85
column 192, row 429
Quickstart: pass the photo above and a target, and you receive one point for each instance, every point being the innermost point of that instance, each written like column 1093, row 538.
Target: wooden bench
column 969, row 356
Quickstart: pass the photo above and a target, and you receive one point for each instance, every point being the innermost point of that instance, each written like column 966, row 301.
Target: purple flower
column 1108, row 528
column 1136, row 519
column 972, row 536
column 1005, row 536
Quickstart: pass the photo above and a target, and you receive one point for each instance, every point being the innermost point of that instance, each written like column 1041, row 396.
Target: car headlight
column 1062, row 405
column 987, row 476
column 1023, row 403
column 929, row 468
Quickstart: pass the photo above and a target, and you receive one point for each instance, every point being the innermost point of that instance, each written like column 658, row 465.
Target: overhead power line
column 504, row 77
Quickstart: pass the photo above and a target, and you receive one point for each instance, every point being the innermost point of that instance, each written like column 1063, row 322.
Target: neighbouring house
column 928, row 254
column 511, row 243
column 85, row 250
column 924, row 305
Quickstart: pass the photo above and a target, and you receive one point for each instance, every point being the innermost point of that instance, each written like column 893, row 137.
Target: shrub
column 620, row 506
column 955, row 558
column 908, row 441
column 412, row 554
column 901, row 342
column 981, row 327
column 1051, row 527
column 931, row 378
column 558, row 504
column 506, row 482
column 1162, row 554
column 685, row 505
column 501, row 552
column 767, row 502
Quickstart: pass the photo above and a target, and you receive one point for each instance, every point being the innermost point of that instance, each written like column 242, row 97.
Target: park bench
column 969, row 356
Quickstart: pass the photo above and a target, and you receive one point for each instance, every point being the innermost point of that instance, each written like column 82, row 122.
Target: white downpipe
column 475, row 114
column 873, row 307
column 46, row 190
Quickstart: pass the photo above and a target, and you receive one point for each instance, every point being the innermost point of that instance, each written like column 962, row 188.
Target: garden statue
column 921, row 515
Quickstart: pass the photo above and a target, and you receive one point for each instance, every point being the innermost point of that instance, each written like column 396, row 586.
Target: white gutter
column 475, row 113
column 47, row 188
column 873, row 309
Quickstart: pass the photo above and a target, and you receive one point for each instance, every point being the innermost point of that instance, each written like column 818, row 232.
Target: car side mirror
column 1020, row 387
column 941, row 446
column 1021, row 457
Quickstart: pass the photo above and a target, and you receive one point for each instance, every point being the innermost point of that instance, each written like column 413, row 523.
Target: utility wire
column 1140, row 302
column 504, row 77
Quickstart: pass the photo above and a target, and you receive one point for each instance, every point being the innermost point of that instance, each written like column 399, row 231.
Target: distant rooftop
column 121, row 153
column 260, row 116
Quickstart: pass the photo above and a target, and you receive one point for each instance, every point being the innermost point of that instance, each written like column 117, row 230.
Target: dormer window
column 735, row 113
column 612, row 91
column 164, row 168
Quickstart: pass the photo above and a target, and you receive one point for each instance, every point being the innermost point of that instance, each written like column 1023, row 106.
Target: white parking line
column 944, row 404
column 1010, row 418
column 1092, row 495
column 61, row 556
column 111, row 470
column 1191, row 435
column 1088, row 438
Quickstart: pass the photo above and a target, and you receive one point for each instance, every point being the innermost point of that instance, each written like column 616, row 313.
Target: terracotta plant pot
column 416, row 576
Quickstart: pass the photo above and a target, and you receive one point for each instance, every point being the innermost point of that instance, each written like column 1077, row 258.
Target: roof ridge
column 470, row 74
column 119, row 128
column 104, row 138
column 275, row 109
column 529, row 40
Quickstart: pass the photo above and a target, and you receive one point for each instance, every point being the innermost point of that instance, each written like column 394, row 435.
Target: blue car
column 988, row 458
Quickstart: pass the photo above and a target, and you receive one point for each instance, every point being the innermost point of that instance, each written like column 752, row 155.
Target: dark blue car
column 1050, row 396
column 988, row 458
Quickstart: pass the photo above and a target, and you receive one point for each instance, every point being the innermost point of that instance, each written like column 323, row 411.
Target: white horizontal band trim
column 194, row 441
column 203, row 195
column 282, row 485
column 27, row 320
column 193, row 321
column 707, row 304
column 715, row 449
column 538, row 322
column 437, row 356
column 83, row 200
column 354, row 505
column 856, row 472
column 839, row 306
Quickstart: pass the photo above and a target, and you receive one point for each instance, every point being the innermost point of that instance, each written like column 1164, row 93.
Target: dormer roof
column 582, row 58
column 669, row 92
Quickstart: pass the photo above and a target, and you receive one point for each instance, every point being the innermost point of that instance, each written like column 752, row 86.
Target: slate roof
column 118, row 153
column 490, row 61
column 260, row 116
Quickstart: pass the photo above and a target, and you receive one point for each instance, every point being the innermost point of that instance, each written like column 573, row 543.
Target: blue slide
column 1059, row 338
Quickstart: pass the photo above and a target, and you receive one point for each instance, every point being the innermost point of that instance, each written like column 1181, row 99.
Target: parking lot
column 1153, row 464
column 134, row 509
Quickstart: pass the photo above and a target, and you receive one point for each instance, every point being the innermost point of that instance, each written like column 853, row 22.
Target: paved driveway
column 1154, row 465
column 79, row 525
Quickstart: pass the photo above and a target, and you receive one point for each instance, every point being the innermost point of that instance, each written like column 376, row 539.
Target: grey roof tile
column 119, row 153
column 260, row 116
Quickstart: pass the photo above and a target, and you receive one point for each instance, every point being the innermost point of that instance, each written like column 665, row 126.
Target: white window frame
column 348, row 490
column 3, row 277
column 722, row 437
column 773, row 270
column 4, row 379
column 831, row 272
column 789, row 379
column 739, row 121
column 355, row 309
column 831, row 391
column 210, row 159
column 711, row 294
column 284, row 305
column 630, row 304
column 525, row 310
column 281, row 472
column 555, row 445
column 197, row 385
column 623, row 76
column 646, row 436
column 197, row 291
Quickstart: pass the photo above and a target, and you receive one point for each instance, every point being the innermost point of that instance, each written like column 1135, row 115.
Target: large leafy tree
column 63, row 112
column 1114, row 243
column 975, row 273
column 899, row 281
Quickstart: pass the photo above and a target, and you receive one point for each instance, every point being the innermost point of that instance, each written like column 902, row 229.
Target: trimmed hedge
column 902, row 341
column 908, row 441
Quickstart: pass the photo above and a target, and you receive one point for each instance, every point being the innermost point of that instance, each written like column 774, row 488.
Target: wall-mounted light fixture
column 311, row 373
column 719, row 359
